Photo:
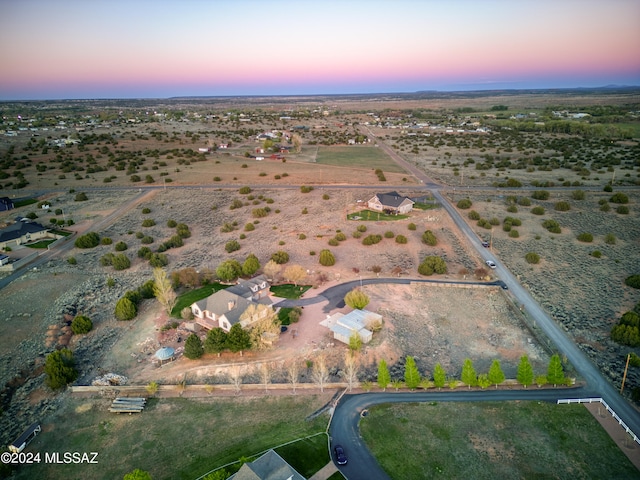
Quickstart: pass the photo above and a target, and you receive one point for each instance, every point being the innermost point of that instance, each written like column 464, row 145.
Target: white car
column 490, row 264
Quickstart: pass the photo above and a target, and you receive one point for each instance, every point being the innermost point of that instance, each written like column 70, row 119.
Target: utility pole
column 624, row 376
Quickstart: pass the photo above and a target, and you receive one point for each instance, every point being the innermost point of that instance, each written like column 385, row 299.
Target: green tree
column 439, row 376
column 411, row 374
column 496, row 375
column 250, row 266
column 525, row 372
column 326, row 258
column 432, row 264
column 238, row 339
column 81, row 324
column 88, row 240
column 555, row 372
column 356, row 299
column 137, row 474
column 216, row 341
column 232, row 246
column 59, row 366
column 125, row 309
column 229, row 270
column 193, row 347
column 468, row 375
column 280, row 257
column 221, row 474
column 355, row 341
column 163, row 290
column 429, row 238
column 384, row 377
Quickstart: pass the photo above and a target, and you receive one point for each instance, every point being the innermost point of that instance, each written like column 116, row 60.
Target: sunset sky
column 54, row 49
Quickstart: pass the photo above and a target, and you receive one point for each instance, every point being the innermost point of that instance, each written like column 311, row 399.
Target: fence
column 18, row 263
column 613, row 414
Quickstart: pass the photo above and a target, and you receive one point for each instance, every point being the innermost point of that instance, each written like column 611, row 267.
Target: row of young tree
column 469, row 377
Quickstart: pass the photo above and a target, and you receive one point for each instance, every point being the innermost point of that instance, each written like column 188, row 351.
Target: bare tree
column 264, row 324
column 293, row 373
column 163, row 290
column 295, row 274
column 350, row 372
column 320, row 373
column 265, row 375
column 235, row 375
column 271, row 270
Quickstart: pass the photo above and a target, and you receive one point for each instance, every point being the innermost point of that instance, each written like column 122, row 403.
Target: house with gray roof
column 269, row 466
column 21, row 232
column 226, row 307
column 390, row 202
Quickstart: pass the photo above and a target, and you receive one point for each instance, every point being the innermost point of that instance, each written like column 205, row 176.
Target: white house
column 391, row 202
column 344, row 326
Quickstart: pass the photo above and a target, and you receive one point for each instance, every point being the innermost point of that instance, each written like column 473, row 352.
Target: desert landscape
column 143, row 165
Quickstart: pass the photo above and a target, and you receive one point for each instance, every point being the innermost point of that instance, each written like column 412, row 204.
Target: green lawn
column 370, row 215
column 180, row 438
column 40, row 243
column 492, row 440
column 24, row 202
column 192, row 296
column 289, row 290
column 357, row 156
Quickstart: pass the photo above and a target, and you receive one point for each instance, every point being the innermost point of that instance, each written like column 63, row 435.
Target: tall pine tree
column 384, row 377
column 469, row 375
column 411, row 374
column 555, row 372
column 439, row 376
column 496, row 375
column 525, row 372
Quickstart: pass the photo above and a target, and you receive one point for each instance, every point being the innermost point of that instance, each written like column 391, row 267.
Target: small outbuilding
column 165, row 354
column 360, row 321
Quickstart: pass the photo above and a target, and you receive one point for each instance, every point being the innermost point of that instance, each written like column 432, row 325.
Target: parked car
column 341, row 457
column 485, row 244
column 490, row 264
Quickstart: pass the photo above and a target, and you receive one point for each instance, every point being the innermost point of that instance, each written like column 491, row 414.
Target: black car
column 341, row 457
column 485, row 244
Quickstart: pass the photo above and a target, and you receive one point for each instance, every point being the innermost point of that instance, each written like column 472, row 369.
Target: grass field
column 370, row 215
column 357, row 156
column 289, row 290
column 180, row 438
column 188, row 298
column 492, row 440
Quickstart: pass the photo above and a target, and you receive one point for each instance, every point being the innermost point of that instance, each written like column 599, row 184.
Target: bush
column 389, row 234
column 148, row 222
column 464, row 204
column 552, row 226
column 193, row 347
column 333, row 242
column 605, row 207
column 562, row 206
column 411, row 226
column 585, row 237
column 259, row 212
column 59, row 366
column 106, row 241
column 610, row 239
column 326, row 258
column 244, row 190
column 608, row 188
column 361, row 228
column 512, row 209
column 596, row 254
column 532, row 258
column 473, row 215
column 537, row 210
column 540, row 195
column 431, row 265
column 158, row 260
column 524, row 201
column 182, row 230
column 371, row 239
column 232, row 246
column 72, row 261
column 144, row 252
column 306, row 189
column 513, row 233
column 578, row 195
column 249, row 227
column 120, row 247
column 120, row 262
column 81, row 197
column 619, row 198
column 280, row 257
column 88, row 240
column 632, row 281
column 429, row 238
column 341, row 237
column 81, row 324
column 172, row 223
column 146, row 240
column 125, row 309
column 401, row 239
column 622, row 210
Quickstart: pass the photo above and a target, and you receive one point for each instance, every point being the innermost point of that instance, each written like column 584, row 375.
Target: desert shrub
column 144, row 252
column 552, row 226
column 411, row 226
column 81, row 324
column 538, row 210
column 244, row 190
column 280, row 257
column 236, row 203
column 146, row 210
column 306, row 189
column 512, row 209
column 227, row 227
column 249, row 227
column 401, row 239
column 182, row 230
column 371, row 239
column 106, row 241
column 513, row 233
column 81, row 197
column 341, row 237
column 562, row 206
column 125, row 309
column 148, row 222
column 146, row 240
column 121, row 247
column 232, row 246
column 88, row 240
column 524, row 201
column 260, row 212
column 585, row 237
column 506, row 226
column 217, row 179
column 120, row 262
column 632, row 281
column 356, row 234
column 361, row 228
column 473, row 215
column 532, row 258
column 429, row 238
column 333, row 242
column 72, row 261
column 608, row 188
column 326, row 258
column 484, row 223
column 540, row 195
column 302, row 236
column 622, row 210
column 578, row 195
column 605, row 207
column 596, row 254
column 619, row 198
column 59, row 366
column 610, row 239
column 494, row 221
column 325, row 196
column 464, row 204
column 389, row 234
column 516, row 222
column 172, row 223
column 432, row 264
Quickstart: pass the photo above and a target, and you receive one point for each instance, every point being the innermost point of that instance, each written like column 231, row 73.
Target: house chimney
column 231, row 304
